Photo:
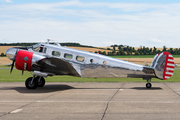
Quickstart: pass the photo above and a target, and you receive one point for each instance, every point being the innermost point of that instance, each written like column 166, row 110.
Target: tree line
column 2, row 55
column 17, row 44
column 142, row 50
column 30, row 44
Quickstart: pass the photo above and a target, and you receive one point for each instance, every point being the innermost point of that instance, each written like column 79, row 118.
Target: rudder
column 163, row 64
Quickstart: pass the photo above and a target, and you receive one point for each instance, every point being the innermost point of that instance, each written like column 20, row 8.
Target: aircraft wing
column 56, row 66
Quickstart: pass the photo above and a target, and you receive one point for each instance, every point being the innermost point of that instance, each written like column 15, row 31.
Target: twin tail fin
column 163, row 65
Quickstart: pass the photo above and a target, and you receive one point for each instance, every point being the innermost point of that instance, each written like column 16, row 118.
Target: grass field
column 16, row 76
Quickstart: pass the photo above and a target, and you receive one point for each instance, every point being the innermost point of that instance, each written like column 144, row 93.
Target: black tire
column 41, row 83
column 29, row 85
column 148, row 85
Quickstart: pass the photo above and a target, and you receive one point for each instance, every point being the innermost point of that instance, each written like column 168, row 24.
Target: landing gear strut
column 34, row 82
column 41, row 81
column 148, row 84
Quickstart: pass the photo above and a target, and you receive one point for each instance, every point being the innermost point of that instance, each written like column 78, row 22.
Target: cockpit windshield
column 36, row 47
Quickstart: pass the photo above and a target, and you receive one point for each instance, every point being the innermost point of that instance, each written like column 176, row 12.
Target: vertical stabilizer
column 163, row 65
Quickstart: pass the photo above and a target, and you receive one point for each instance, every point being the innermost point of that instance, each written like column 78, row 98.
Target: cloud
column 9, row 1
column 156, row 40
column 94, row 10
column 74, row 21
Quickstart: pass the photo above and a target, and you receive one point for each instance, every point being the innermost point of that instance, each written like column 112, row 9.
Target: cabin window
column 80, row 58
column 69, row 56
column 104, row 62
column 56, row 53
column 91, row 60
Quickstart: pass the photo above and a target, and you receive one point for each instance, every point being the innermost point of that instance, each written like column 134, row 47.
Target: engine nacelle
column 25, row 60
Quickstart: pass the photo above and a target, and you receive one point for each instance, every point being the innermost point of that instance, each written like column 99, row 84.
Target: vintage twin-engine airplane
column 46, row 59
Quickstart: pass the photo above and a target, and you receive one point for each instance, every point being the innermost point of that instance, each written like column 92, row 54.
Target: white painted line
column 169, row 73
column 170, row 64
column 16, row 111
column 170, row 60
column 169, row 69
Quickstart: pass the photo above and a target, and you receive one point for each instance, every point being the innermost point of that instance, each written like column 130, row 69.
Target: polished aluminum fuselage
column 95, row 65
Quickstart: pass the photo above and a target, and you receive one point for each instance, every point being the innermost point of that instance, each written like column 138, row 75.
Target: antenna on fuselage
column 48, row 41
column 58, row 44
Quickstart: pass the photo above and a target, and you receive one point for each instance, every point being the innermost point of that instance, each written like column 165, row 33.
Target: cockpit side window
column 41, row 49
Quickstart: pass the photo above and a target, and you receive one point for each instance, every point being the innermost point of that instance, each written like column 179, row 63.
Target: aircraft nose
column 10, row 53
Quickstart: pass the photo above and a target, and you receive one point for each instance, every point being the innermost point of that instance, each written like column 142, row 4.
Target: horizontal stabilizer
column 148, row 70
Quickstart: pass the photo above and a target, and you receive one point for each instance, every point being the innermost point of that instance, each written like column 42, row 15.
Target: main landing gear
column 34, row 82
column 148, row 84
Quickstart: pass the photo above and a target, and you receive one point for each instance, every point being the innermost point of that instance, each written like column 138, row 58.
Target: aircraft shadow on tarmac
column 45, row 89
column 144, row 88
column 55, row 88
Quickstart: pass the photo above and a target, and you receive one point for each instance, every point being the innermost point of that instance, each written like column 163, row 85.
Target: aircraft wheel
column 41, row 81
column 31, row 84
column 148, row 85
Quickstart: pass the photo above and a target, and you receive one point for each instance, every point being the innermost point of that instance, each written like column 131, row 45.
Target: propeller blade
column 12, row 66
column 22, row 72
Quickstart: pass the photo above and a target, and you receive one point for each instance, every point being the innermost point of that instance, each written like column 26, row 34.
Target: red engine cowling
column 23, row 60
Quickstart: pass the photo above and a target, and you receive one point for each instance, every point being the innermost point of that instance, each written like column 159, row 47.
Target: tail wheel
column 148, row 85
column 41, row 81
column 31, row 83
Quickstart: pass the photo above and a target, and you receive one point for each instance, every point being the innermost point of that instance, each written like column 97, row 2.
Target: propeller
column 12, row 66
column 22, row 72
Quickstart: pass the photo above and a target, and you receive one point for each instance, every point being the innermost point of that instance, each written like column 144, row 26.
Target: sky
column 97, row 23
